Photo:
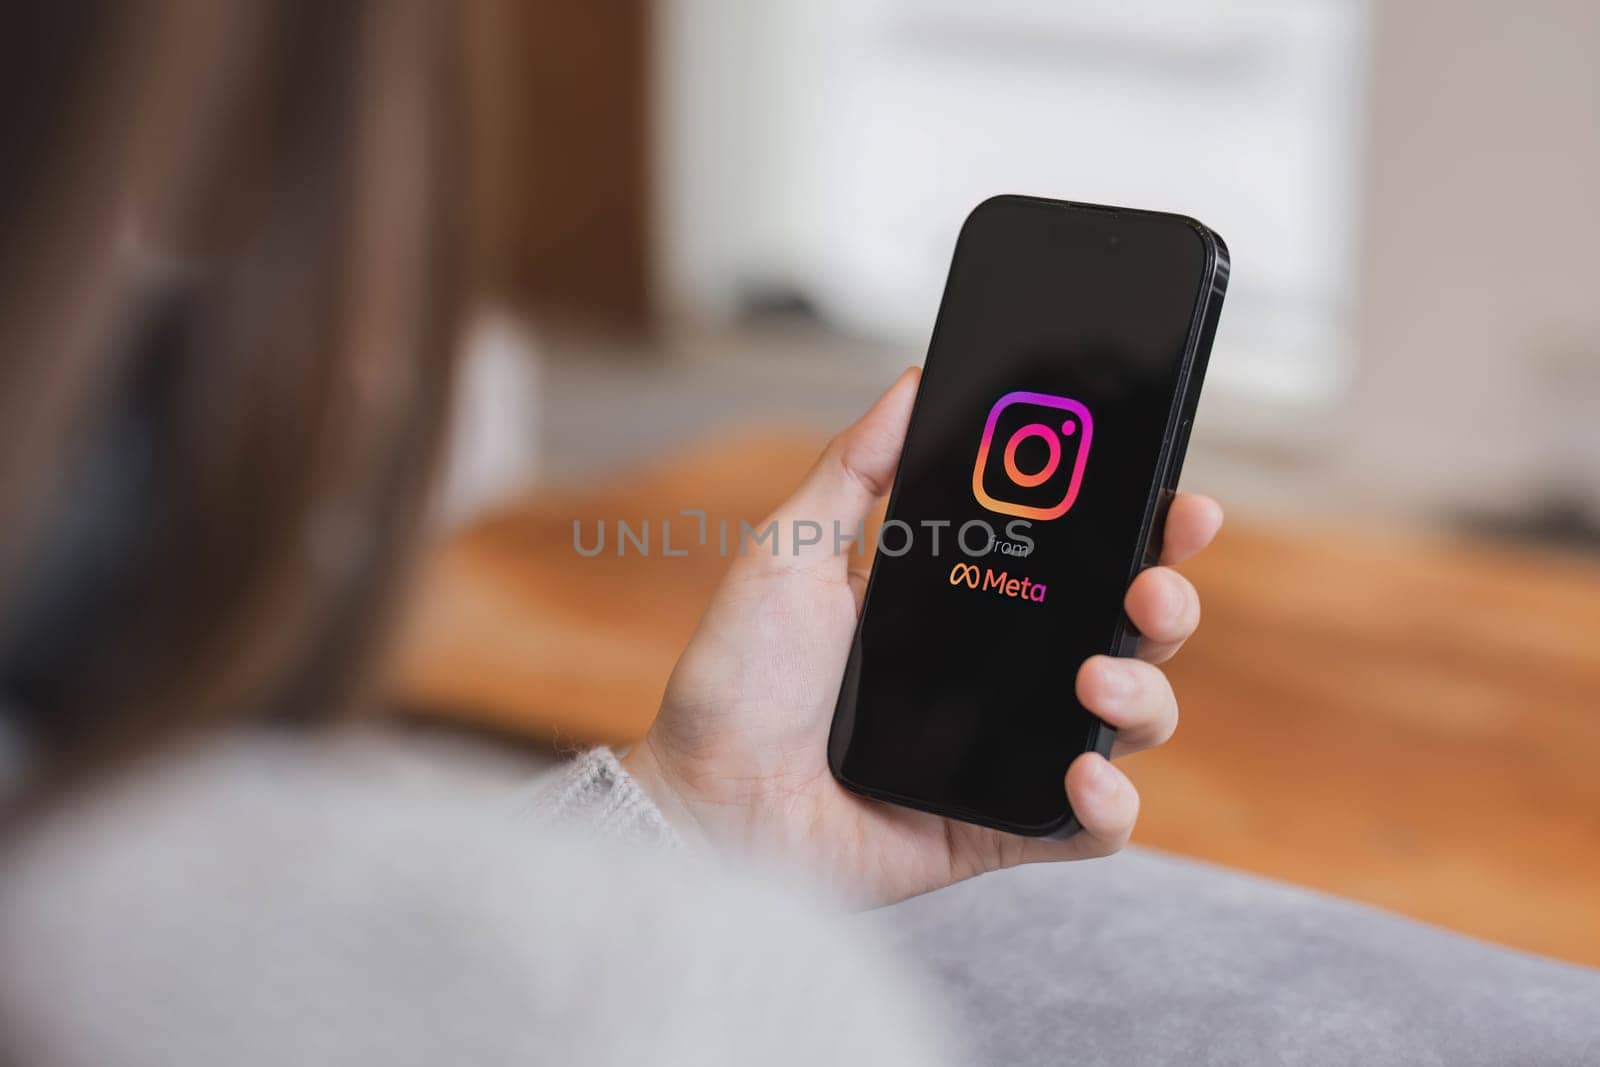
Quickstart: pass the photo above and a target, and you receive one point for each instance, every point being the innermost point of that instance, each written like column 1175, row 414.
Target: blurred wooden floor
column 1407, row 720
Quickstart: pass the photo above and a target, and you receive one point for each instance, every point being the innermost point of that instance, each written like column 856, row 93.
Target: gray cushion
column 1147, row 958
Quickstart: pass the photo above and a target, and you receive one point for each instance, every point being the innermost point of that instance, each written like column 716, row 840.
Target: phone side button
column 1180, row 449
column 1152, row 548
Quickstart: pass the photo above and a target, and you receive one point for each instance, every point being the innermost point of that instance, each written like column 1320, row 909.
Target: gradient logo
column 1045, row 492
column 986, row 579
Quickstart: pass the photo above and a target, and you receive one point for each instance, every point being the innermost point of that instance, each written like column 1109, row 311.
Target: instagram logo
column 1062, row 426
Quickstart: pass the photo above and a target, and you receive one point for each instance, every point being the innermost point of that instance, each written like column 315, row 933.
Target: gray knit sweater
column 277, row 902
column 595, row 794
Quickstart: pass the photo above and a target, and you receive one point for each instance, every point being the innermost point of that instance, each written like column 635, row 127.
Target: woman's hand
column 738, row 753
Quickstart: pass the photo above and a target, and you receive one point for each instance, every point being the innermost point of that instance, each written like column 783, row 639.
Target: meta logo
column 985, row 579
column 1056, row 431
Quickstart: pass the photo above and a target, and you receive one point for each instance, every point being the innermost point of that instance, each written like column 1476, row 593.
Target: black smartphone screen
column 1052, row 391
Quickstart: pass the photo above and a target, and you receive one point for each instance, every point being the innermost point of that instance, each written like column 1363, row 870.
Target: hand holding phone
column 737, row 755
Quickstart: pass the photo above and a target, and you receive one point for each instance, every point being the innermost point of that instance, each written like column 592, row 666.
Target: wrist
column 655, row 779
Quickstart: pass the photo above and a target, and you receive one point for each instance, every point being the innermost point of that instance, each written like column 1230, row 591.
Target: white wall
column 1478, row 383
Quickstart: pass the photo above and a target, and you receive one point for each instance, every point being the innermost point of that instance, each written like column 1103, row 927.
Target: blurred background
column 707, row 234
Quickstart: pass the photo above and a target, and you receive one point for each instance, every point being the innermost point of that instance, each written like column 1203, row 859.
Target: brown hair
column 229, row 232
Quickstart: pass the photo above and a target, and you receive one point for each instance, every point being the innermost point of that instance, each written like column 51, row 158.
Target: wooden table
column 1405, row 719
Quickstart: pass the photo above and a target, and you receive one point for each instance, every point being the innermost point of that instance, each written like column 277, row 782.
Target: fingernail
column 1173, row 600
column 1104, row 780
column 1116, row 682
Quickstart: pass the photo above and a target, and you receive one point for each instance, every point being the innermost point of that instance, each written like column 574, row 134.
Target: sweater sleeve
column 594, row 794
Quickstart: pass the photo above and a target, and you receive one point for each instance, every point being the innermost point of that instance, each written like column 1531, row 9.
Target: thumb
column 856, row 470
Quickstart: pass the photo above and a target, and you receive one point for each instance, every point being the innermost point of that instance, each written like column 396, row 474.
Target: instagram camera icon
column 1066, row 428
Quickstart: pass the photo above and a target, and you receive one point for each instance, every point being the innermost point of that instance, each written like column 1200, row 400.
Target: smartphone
column 1045, row 444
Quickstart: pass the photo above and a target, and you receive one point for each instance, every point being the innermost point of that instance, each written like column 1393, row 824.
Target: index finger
column 1192, row 521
